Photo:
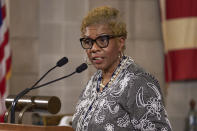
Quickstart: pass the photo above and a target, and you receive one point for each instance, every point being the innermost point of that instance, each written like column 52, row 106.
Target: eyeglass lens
column 101, row 41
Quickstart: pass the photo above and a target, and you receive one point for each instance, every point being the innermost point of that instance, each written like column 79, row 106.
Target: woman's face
column 104, row 58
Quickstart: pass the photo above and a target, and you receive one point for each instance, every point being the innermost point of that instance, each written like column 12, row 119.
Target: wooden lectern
column 21, row 127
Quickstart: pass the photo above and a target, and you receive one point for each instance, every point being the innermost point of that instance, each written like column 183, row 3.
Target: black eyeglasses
column 101, row 41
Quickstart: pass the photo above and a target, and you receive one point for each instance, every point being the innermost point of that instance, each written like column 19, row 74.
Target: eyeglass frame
column 94, row 40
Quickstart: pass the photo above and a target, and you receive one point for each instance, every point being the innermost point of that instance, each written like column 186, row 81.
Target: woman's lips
column 97, row 60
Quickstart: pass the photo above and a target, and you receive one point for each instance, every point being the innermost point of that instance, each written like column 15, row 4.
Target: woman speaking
column 120, row 96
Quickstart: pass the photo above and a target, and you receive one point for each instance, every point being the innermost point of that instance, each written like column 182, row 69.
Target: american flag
column 179, row 22
column 5, row 57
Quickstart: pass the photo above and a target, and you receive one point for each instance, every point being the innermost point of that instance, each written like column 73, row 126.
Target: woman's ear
column 122, row 43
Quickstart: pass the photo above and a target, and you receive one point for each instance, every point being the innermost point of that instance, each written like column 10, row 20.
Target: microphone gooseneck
column 60, row 63
column 79, row 69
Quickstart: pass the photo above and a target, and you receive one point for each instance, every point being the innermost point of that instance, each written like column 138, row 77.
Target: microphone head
column 62, row 62
column 81, row 68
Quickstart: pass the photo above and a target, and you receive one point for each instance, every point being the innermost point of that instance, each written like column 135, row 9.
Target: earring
column 121, row 55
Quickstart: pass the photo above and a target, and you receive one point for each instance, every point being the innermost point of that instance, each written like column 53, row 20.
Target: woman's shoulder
column 143, row 84
column 141, row 74
column 142, row 79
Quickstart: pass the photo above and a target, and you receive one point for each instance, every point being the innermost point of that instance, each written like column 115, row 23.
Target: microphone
column 60, row 63
column 79, row 69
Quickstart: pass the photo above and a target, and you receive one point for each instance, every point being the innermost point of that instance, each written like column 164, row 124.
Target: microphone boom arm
column 53, row 81
column 13, row 106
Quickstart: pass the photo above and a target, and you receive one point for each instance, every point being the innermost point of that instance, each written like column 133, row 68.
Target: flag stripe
column 2, row 118
column 8, row 64
column 181, row 65
column 181, row 8
column 2, row 86
column 2, row 46
column 180, row 33
column 3, row 11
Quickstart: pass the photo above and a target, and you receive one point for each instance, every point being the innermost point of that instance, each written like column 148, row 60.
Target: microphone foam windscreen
column 62, row 62
column 81, row 68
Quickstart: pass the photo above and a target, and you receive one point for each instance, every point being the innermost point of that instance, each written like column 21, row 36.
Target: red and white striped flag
column 5, row 57
column 179, row 26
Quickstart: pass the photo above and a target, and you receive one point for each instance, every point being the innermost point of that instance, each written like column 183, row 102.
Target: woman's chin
column 99, row 66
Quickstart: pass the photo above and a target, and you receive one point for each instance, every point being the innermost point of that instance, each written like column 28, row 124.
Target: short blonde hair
column 105, row 15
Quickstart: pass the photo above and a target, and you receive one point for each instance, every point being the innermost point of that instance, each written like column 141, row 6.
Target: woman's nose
column 95, row 47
